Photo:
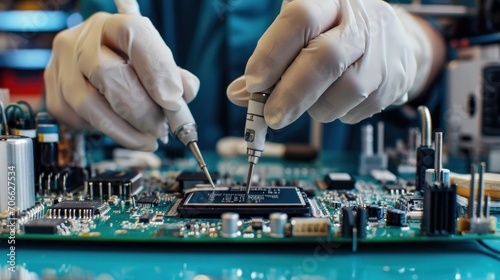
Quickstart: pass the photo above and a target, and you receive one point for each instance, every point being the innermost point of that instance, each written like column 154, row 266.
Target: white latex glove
column 346, row 59
column 115, row 73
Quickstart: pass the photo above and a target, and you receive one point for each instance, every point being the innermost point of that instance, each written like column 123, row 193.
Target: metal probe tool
column 181, row 122
column 255, row 130
column 183, row 126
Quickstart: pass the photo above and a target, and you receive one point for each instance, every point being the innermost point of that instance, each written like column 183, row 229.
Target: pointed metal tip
column 209, row 178
column 249, row 176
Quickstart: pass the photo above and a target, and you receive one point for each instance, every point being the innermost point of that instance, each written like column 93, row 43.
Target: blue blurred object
column 33, row 21
column 464, row 260
column 27, row 59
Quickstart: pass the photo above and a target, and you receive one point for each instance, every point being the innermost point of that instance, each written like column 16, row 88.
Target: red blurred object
column 23, row 85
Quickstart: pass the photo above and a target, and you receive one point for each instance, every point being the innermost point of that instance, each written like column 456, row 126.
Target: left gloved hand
column 346, row 59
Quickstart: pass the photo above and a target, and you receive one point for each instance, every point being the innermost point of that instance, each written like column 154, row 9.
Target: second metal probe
column 255, row 131
column 183, row 127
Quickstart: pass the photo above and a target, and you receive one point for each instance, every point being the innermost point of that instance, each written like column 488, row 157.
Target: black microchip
column 148, row 201
column 79, row 209
column 340, row 181
column 146, row 218
column 188, row 180
column 120, row 183
column 348, row 195
column 43, row 226
column 261, row 201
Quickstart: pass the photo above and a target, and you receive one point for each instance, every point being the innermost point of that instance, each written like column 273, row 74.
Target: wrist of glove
column 114, row 73
column 337, row 59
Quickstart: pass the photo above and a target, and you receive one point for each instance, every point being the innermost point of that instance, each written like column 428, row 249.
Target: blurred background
column 27, row 28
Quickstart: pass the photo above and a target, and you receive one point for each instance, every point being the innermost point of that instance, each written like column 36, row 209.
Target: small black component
column 425, row 160
column 148, row 201
column 257, row 224
column 410, row 203
column 375, row 211
column 440, row 204
column 353, row 216
column 43, row 226
column 70, row 178
column 395, row 217
column 190, row 224
column 261, row 201
column 340, row 181
column 351, row 196
column 120, row 183
column 335, row 204
column 188, row 180
column 394, row 187
column 79, row 208
column 146, row 218
column 310, row 192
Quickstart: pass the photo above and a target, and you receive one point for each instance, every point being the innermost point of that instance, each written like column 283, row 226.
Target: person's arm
column 437, row 51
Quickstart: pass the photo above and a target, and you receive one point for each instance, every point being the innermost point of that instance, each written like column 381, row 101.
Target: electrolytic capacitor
column 230, row 224
column 48, row 141
column 278, row 223
column 17, row 190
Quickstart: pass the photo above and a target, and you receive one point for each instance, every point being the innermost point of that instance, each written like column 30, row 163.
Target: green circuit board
column 320, row 207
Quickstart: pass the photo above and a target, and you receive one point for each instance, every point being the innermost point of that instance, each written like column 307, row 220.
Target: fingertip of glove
column 237, row 92
column 191, row 85
column 275, row 119
column 149, row 146
column 402, row 100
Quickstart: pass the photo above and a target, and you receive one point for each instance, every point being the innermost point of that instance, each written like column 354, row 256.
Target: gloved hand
column 346, row 59
column 115, row 73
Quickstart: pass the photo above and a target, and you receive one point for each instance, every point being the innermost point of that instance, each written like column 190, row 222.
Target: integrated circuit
column 261, row 201
column 120, row 183
column 148, row 201
column 188, row 180
column 76, row 209
column 340, row 181
column 44, row 226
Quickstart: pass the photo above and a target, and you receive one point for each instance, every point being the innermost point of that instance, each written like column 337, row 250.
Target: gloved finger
column 317, row 67
column 138, row 41
column 298, row 23
column 93, row 107
column 54, row 100
column 190, row 84
column 381, row 98
column 57, row 106
column 345, row 94
column 130, row 7
column 120, row 85
column 237, row 92
column 151, row 58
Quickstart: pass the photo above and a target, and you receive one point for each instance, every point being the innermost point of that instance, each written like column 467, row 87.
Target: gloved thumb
column 237, row 92
column 130, row 7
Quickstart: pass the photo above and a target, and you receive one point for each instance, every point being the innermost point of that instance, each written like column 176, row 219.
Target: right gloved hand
column 115, row 73
column 335, row 59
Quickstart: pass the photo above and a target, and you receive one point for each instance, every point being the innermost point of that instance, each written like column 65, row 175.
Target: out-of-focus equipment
column 368, row 160
column 473, row 107
column 478, row 219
